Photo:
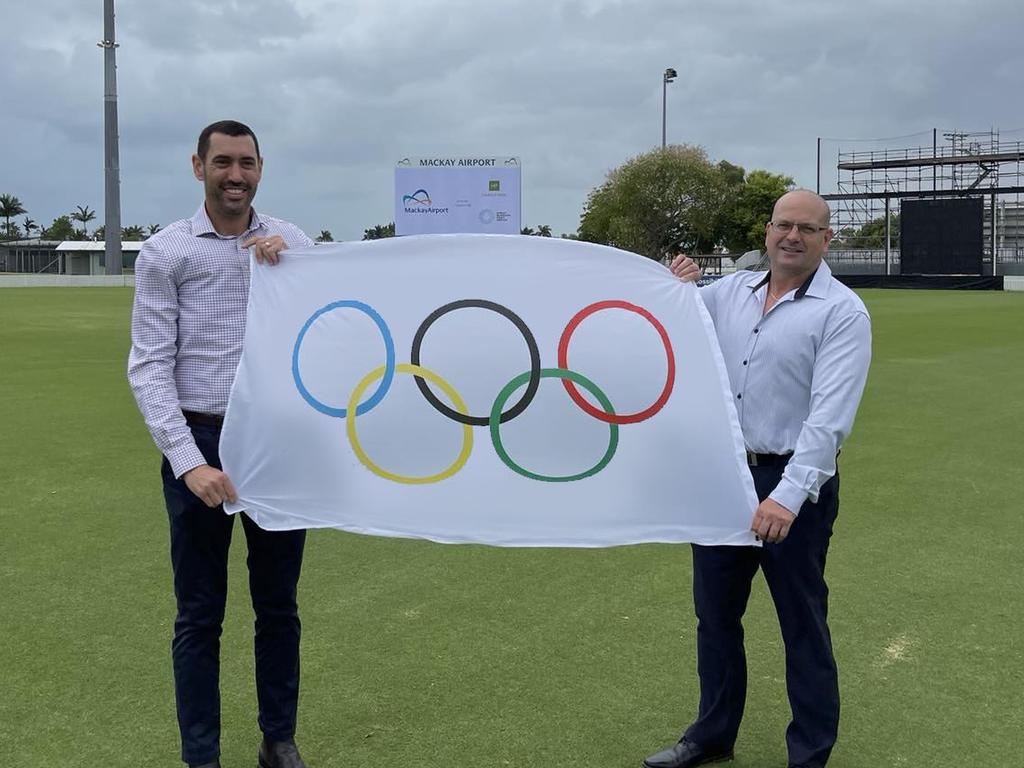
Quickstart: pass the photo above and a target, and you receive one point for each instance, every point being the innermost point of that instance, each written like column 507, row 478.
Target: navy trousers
column 795, row 572
column 200, row 538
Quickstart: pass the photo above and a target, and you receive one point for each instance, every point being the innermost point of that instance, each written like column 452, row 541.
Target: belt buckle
column 751, row 459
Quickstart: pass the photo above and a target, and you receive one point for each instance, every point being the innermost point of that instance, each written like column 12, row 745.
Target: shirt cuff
column 185, row 458
column 789, row 495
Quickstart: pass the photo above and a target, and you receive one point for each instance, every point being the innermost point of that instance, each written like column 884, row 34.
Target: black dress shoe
column 280, row 754
column 686, row 754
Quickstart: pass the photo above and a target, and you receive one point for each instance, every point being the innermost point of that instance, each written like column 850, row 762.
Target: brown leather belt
column 203, row 419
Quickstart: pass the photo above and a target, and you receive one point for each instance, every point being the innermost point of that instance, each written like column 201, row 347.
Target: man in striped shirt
column 797, row 345
column 188, row 323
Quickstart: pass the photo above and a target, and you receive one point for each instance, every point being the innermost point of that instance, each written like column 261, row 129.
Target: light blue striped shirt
column 797, row 373
column 188, row 323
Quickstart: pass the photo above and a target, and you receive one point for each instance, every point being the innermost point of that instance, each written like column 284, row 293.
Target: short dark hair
column 228, row 128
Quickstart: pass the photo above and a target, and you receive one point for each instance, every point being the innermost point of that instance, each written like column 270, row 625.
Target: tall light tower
column 668, row 77
column 111, row 163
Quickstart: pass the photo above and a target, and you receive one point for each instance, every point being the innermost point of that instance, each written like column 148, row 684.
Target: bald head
column 805, row 200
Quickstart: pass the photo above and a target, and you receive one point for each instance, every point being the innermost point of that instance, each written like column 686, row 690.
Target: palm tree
column 10, row 206
column 30, row 226
column 84, row 215
column 325, row 236
column 133, row 233
column 542, row 230
column 152, row 229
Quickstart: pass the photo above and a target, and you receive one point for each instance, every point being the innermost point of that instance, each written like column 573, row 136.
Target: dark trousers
column 200, row 537
column 795, row 572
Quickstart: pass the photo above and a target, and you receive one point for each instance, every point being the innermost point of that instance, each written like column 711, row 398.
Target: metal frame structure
column 965, row 164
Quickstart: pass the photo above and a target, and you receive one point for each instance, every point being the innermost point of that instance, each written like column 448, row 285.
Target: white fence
column 66, row 281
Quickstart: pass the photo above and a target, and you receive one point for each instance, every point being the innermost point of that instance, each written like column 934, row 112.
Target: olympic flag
column 507, row 390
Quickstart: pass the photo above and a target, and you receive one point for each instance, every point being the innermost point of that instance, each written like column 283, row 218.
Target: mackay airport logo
column 420, row 202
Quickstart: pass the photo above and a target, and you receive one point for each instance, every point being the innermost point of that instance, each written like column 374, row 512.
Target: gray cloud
column 337, row 91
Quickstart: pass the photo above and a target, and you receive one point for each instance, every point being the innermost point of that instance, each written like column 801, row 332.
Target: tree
column 542, row 230
column 10, row 206
column 379, row 232
column 325, row 236
column 749, row 208
column 60, row 229
column 133, row 233
column 151, row 230
column 83, row 215
column 872, row 234
column 662, row 200
column 30, row 226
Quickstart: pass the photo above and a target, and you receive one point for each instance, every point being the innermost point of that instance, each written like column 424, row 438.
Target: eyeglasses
column 785, row 227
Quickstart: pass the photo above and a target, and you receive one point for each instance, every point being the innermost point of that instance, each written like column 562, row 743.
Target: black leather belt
column 203, row 419
column 768, row 459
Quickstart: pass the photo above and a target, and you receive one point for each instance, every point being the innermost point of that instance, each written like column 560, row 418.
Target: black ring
column 531, row 344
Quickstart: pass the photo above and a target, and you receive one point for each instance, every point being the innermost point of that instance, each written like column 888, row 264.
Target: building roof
column 80, row 246
column 29, row 242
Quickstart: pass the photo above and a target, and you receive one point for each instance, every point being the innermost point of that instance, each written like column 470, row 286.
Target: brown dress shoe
column 280, row 754
column 686, row 754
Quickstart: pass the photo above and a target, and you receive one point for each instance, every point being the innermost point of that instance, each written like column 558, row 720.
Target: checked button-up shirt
column 188, row 323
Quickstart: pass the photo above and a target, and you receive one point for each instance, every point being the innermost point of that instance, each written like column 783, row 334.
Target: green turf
column 418, row 654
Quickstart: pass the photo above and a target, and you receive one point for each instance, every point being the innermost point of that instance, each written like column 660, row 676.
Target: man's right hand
column 211, row 485
column 685, row 268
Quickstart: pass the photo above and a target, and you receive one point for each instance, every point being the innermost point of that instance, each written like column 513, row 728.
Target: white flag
column 517, row 391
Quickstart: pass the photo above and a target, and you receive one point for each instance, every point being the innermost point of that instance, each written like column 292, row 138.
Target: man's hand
column 211, row 485
column 685, row 268
column 771, row 521
column 267, row 250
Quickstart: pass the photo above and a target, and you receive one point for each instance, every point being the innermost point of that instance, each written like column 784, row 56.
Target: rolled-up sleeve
column 152, row 359
column 839, row 376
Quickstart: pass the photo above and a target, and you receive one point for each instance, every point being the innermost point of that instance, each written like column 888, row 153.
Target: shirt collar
column 202, row 226
column 815, row 285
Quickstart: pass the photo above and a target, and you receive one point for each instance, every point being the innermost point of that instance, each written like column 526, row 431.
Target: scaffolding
column 871, row 184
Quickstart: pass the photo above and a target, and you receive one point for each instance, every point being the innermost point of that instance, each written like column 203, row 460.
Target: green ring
column 551, row 373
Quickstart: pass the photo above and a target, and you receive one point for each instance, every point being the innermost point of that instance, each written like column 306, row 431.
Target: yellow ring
column 415, row 370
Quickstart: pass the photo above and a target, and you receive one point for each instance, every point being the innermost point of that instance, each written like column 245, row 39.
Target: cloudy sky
column 337, row 91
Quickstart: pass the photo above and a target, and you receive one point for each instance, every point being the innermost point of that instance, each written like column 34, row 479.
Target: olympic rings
column 531, row 345
column 610, row 416
column 552, row 373
column 389, row 359
column 497, row 416
column 418, row 371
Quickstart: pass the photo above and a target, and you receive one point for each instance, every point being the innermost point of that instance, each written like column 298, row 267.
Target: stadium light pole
column 111, row 162
column 668, row 77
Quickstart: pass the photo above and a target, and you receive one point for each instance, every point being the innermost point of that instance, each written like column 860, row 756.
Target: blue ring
column 389, row 360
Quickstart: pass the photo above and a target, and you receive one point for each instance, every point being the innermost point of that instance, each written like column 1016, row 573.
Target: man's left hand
column 771, row 521
column 685, row 268
column 267, row 250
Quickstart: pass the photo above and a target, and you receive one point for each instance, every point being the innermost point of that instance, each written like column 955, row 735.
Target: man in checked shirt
column 796, row 344
column 188, row 322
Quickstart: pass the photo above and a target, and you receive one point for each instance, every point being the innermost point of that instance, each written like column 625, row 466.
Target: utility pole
column 668, row 77
column 111, row 163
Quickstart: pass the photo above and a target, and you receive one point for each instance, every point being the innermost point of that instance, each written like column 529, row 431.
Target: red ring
column 570, row 387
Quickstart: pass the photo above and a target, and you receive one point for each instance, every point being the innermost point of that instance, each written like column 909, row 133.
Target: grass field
column 418, row 654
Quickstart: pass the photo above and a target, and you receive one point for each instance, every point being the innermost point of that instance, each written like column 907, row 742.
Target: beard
column 230, row 206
